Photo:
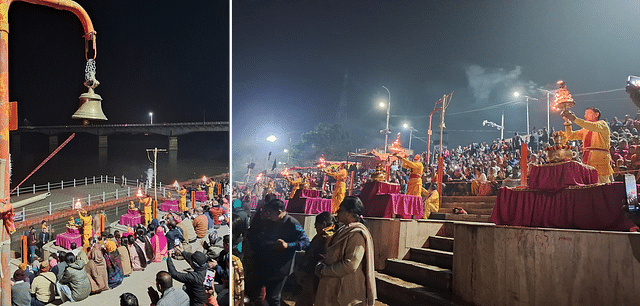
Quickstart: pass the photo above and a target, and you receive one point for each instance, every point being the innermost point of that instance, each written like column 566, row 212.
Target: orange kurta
column 340, row 189
column 415, row 179
column 182, row 203
column 87, row 228
column 595, row 138
column 147, row 209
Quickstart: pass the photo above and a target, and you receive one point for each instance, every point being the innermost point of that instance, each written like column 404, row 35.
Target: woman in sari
column 125, row 260
column 159, row 245
column 138, row 259
column 114, row 264
column 97, row 270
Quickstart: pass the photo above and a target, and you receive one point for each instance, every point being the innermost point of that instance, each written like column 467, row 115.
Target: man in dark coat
column 193, row 280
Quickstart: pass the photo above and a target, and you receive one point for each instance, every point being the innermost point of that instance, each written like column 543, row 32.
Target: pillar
column 53, row 143
column 173, row 156
column 103, row 145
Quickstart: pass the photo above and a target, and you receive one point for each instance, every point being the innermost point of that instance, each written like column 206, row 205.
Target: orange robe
column 210, row 185
column 147, row 210
column 595, row 138
column 340, row 189
column 414, row 187
column 87, row 228
column 296, row 185
column 182, row 203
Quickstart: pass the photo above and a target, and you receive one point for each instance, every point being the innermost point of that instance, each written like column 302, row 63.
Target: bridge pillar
column 173, row 155
column 15, row 146
column 103, row 145
column 53, row 143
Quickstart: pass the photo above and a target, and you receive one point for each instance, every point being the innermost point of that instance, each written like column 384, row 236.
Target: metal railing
column 126, row 188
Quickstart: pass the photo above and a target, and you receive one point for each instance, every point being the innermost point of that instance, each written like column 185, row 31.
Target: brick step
column 468, row 218
column 442, row 259
column 395, row 291
column 419, row 273
column 468, row 205
column 441, row 243
column 471, row 211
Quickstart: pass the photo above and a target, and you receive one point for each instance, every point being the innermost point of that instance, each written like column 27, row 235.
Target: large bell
column 90, row 107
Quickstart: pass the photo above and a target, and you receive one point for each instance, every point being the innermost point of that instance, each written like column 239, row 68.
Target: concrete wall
column 392, row 238
column 495, row 265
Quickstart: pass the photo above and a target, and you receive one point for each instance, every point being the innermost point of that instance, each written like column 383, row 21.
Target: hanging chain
column 90, row 74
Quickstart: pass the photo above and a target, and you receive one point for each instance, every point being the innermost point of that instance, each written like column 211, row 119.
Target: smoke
column 483, row 81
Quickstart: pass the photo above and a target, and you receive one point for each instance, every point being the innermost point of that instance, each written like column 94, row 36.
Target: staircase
column 479, row 208
column 423, row 278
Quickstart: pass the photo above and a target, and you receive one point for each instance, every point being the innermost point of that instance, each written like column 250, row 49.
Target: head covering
column 18, row 275
column 44, row 267
column 198, row 258
column 110, row 246
column 22, row 266
column 177, row 218
column 237, row 203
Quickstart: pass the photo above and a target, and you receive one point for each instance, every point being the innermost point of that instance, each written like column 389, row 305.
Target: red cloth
column 169, row 205
column 64, row 240
column 555, row 177
column 309, row 205
column 130, row 220
column 201, row 196
column 383, row 200
column 597, row 207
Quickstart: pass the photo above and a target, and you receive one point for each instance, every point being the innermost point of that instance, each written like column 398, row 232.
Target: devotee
column 125, row 259
column 112, row 258
column 432, row 201
column 276, row 246
column 87, row 229
column 159, row 245
column 325, row 228
column 340, row 189
column 595, row 141
column 143, row 242
column 174, row 236
column 170, row 296
column 43, row 287
column 192, row 280
column 44, row 235
column 74, row 286
column 200, row 224
column 32, row 242
column 20, row 294
column 347, row 275
column 97, row 270
column 128, row 299
column 136, row 254
column 415, row 179
column 186, row 224
column 218, row 214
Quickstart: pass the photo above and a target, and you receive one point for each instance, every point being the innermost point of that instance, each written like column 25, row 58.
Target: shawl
column 138, row 261
column 114, row 268
column 97, row 270
column 159, row 244
column 125, row 260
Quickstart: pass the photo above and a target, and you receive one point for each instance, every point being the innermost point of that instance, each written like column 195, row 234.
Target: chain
column 90, row 72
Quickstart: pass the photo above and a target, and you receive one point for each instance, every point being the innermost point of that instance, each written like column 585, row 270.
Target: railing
column 127, row 189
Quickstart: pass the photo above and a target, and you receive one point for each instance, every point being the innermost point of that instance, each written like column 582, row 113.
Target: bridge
column 171, row 130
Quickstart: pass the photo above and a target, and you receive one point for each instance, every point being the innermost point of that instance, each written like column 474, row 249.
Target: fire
column 77, row 205
column 139, row 194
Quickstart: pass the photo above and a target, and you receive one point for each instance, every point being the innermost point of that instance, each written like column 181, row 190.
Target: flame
column 176, row 185
column 139, row 194
column 78, row 205
column 204, row 178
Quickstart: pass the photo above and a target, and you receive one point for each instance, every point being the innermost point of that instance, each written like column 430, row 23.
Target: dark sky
column 166, row 57
column 290, row 60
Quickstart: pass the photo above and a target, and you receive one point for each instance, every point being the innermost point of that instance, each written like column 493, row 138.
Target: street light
column 151, row 115
column 386, row 130
column 411, row 130
column 549, row 92
column 272, row 138
column 517, row 94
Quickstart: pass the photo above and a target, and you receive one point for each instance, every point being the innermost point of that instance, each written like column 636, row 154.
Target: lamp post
column 411, row 130
column 386, row 130
column 517, row 94
column 272, row 139
column 155, row 170
column 549, row 92
column 5, row 207
column 151, row 116
column 430, row 132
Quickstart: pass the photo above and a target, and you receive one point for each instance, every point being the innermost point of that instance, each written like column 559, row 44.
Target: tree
column 332, row 140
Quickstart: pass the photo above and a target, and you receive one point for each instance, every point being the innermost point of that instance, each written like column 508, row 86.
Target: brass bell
column 90, row 107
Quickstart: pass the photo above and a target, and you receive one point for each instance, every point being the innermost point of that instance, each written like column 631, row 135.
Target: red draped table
column 169, row 205
column 590, row 206
column 131, row 218
column 381, row 199
column 201, row 196
column 307, row 201
column 66, row 239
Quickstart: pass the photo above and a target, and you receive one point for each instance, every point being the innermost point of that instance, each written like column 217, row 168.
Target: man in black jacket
column 193, row 280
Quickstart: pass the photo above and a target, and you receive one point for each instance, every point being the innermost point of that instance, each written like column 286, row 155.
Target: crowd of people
column 106, row 259
column 339, row 258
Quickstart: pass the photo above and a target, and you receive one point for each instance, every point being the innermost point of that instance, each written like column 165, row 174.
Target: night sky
column 166, row 57
column 290, row 59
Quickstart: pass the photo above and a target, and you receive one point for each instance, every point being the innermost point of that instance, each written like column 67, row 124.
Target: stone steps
column 419, row 273
column 441, row 243
column 396, row 291
column 443, row 259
